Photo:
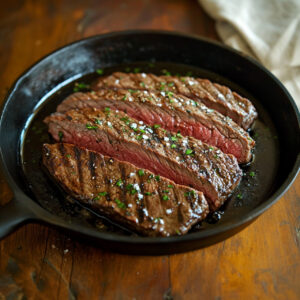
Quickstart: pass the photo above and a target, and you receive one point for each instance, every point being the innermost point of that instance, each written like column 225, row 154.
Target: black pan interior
column 257, row 184
column 41, row 88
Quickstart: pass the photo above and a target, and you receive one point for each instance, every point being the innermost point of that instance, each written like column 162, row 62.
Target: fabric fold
column 266, row 30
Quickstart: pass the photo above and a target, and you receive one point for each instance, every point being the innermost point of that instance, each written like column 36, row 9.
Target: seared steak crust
column 213, row 95
column 136, row 198
column 184, row 160
column 173, row 112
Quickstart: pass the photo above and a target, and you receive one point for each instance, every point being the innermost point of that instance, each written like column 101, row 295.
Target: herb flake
column 120, row 204
column 90, row 127
column 141, row 172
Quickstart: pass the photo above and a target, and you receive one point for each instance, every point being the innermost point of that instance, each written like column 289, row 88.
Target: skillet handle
column 12, row 215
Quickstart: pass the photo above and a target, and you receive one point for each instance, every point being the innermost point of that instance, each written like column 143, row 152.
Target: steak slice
column 213, row 95
column 173, row 112
column 124, row 193
column 184, row 160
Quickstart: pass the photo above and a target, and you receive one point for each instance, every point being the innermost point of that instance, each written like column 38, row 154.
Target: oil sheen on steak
column 213, row 95
column 184, row 160
column 136, row 198
column 173, row 112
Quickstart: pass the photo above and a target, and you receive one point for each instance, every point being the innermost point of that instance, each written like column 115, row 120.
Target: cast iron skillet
column 29, row 95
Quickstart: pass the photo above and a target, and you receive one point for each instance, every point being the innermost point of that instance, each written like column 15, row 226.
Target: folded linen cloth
column 268, row 30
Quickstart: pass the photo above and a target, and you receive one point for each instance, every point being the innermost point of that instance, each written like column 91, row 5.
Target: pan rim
column 52, row 219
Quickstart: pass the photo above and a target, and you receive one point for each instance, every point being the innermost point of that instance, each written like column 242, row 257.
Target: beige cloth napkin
column 268, row 30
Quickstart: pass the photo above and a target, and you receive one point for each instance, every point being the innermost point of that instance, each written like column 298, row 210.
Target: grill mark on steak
column 106, row 177
column 123, row 178
column 77, row 153
column 141, row 202
column 213, row 95
column 174, row 113
column 159, row 218
column 91, row 165
column 183, row 165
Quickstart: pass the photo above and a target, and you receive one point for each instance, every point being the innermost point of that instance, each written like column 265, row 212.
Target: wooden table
column 36, row 262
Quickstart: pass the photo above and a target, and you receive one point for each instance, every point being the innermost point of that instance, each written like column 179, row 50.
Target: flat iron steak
column 136, row 198
column 213, row 95
column 184, row 160
column 173, row 112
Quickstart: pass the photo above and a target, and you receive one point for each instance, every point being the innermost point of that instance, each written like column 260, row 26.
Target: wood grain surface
column 36, row 262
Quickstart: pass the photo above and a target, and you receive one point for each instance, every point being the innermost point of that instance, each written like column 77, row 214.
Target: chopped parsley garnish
column 142, row 84
column 189, row 193
column 216, row 156
column 162, row 87
column 174, row 138
column 132, row 91
column 179, row 134
column 157, row 178
column 102, row 193
column 129, row 186
column 169, row 94
column 166, row 72
column 155, row 126
column 126, row 120
column 136, row 70
column 90, row 127
column 178, row 232
column 239, row 196
column 171, row 84
column 141, row 172
column 210, row 148
column 133, row 191
column 252, row 174
column 165, row 198
column 189, row 151
column 107, row 109
column 151, row 176
column 142, row 130
column 60, row 135
column 99, row 71
column 97, row 121
column 119, row 183
column 147, row 193
column 125, row 97
column 139, row 137
column 173, row 146
column 170, row 186
column 80, row 86
column 166, row 191
column 120, row 204
column 68, row 155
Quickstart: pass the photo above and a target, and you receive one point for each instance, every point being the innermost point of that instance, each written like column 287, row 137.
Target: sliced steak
column 173, row 112
column 213, row 95
column 184, row 160
column 151, row 205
